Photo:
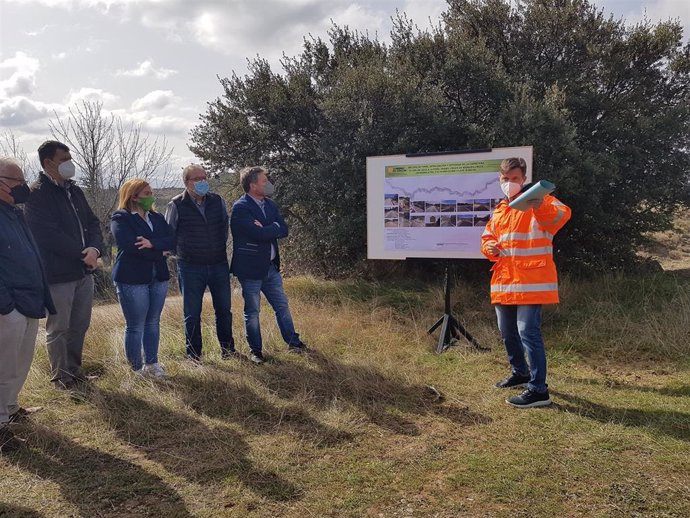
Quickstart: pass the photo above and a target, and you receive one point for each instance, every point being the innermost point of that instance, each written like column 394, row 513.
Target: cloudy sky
column 155, row 62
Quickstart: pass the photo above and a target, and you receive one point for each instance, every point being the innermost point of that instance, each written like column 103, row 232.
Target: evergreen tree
column 606, row 106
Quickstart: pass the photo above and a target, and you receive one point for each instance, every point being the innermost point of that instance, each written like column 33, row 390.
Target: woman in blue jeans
column 141, row 272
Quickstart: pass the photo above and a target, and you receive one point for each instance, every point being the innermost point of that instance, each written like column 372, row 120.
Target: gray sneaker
column 257, row 358
column 530, row 399
column 154, row 370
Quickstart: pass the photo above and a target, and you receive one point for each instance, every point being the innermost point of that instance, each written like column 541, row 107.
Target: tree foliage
column 605, row 104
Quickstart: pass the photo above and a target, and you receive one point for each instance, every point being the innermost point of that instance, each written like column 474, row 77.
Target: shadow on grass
column 678, row 391
column 321, row 382
column 186, row 446
column 97, row 483
column 672, row 424
column 15, row 511
column 225, row 399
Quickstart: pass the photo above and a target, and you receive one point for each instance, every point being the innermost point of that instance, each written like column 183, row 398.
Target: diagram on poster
column 433, row 206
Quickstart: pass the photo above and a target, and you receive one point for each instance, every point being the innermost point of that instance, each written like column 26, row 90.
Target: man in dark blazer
column 70, row 240
column 24, row 299
column 256, row 226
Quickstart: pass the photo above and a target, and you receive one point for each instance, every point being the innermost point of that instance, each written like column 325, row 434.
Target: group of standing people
column 49, row 251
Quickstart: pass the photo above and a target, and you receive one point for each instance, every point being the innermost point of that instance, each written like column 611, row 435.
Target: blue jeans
column 272, row 287
column 142, row 305
column 520, row 327
column 193, row 279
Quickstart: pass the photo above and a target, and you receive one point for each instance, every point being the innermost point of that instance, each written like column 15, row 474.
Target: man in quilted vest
column 519, row 243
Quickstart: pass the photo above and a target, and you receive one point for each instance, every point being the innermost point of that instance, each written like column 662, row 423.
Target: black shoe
column 23, row 414
column 66, row 385
column 257, row 357
column 530, row 399
column 10, row 442
column 515, row 380
column 297, row 348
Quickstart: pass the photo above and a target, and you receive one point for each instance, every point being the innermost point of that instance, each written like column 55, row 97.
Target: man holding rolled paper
column 519, row 242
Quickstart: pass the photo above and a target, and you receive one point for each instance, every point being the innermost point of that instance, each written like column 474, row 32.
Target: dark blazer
column 251, row 244
column 55, row 224
column 134, row 266
column 23, row 284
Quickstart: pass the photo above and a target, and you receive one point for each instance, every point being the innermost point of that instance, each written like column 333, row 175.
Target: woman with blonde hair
column 141, row 272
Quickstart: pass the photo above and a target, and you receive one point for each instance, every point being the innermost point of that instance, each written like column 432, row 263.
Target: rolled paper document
column 536, row 192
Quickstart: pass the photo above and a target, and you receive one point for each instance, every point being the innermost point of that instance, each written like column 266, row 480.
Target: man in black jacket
column 24, row 298
column 199, row 219
column 69, row 238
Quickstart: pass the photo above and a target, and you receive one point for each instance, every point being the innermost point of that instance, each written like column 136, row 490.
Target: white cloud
column 21, row 111
column 59, row 56
column 92, row 95
column 422, row 11
column 156, row 100
column 147, row 69
column 38, row 31
column 653, row 10
column 21, row 70
column 164, row 125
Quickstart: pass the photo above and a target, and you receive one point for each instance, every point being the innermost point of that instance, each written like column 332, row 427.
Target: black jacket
column 201, row 239
column 23, row 284
column 134, row 266
column 55, row 223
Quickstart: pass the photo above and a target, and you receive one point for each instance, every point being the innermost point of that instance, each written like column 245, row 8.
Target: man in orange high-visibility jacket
column 524, row 277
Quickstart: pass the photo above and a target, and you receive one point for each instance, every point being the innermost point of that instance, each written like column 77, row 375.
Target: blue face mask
column 201, row 187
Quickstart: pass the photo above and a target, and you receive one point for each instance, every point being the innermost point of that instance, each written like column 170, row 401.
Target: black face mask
column 20, row 193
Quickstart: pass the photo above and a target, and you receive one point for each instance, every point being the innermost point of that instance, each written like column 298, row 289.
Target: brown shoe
column 10, row 442
column 23, row 414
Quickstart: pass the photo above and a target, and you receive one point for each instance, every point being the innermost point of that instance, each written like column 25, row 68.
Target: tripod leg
column 433, row 328
column 459, row 330
column 444, row 337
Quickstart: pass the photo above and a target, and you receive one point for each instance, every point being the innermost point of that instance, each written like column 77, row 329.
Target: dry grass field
column 353, row 430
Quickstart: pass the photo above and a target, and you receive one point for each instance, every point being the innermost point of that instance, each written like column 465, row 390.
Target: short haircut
column 250, row 175
column 47, row 150
column 7, row 161
column 129, row 190
column 512, row 163
column 189, row 169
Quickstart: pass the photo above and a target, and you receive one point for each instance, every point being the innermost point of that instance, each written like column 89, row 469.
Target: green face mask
column 147, row 202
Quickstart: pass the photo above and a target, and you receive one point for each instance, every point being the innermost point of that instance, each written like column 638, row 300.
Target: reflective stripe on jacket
column 524, row 271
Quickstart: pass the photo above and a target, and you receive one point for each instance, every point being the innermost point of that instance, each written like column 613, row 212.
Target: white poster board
column 433, row 206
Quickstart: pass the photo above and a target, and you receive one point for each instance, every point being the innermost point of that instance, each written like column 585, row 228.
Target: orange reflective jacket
column 524, row 271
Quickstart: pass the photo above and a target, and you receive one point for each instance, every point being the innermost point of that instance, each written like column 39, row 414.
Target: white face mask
column 510, row 189
column 67, row 169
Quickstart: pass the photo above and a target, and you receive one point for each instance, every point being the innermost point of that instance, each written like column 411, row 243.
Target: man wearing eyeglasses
column 24, row 298
column 199, row 219
column 256, row 226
